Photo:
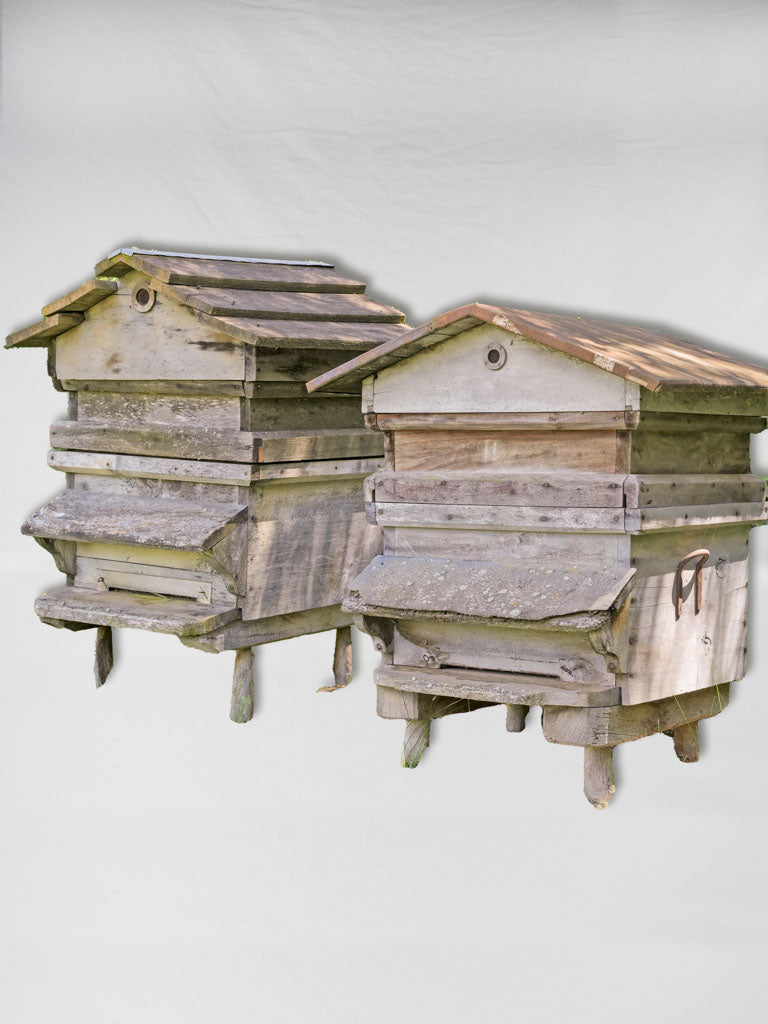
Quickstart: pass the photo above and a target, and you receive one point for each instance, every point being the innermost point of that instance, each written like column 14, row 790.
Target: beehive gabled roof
column 649, row 358
column 272, row 303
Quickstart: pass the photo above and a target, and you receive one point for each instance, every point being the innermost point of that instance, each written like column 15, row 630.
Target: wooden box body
column 207, row 494
column 551, row 465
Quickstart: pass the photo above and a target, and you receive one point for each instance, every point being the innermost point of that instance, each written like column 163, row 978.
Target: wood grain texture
column 546, row 518
column 103, row 655
column 489, row 487
column 599, row 785
column 229, row 474
column 118, row 409
column 73, row 515
column 674, row 489
column 712, row 452
column 342, row 661
column 608, row 726
column 686, row 740
column 206, row 445
column 593, row 420
column 415, row 742
column 82, row 298
column 243, row 686
column 584, row 451
column 135, row 611
column 496, row 687
column 269, row 629
column 38, row 335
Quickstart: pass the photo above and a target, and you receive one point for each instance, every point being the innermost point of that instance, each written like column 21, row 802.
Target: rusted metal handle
column 702, row 554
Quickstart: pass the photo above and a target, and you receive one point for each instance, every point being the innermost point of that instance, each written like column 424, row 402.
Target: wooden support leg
column 598, row 776
column 416, row 741
column 342, row 661
column 104, row 659
column 686, row 738
column 516, row 717
column 241, row 709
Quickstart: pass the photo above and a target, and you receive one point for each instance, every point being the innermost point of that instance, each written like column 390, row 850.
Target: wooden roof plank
column 649, row 358
column 294, row 334
column 82, row 298
column 271, row 305
column 38, row 335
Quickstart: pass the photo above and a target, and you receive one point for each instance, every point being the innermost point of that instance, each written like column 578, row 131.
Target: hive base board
column 597, row 727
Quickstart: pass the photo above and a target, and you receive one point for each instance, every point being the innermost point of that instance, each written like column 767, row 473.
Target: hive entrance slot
column 162, row 586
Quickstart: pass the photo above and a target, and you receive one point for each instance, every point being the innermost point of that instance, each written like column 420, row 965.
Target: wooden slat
column 710, row 452
column 608, row 726
column 77, row 515
column 199, row 388
column 217, row 273
column 269, row 629
column 501, row 517
column 682, row 422
column 112, row 464
column 664, row 490
column 138, row 611
column 212, row 445
column 284, row 305
column 496, row 687
column 609, row 420
column 521, row 590
column 38, row 335
column 584, row 451
column 82, row 298
column 644, row 519
column 348, row 338
column 293, row 446
column 478, row 487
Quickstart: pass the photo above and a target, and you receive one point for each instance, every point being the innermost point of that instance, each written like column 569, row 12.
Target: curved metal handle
column 702, row 554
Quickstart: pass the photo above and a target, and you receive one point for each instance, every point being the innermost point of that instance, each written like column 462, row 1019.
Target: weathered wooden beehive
column 565, row 507
column 206, row 495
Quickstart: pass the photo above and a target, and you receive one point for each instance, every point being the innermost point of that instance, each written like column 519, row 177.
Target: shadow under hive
column 207, row 495
column 565, row 506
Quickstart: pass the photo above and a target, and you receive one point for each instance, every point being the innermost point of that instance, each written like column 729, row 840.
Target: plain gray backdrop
column 161, row 864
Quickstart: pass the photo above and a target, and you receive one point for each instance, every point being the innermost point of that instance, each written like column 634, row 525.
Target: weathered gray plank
column 118, row 409
column 73, row 515
column 607, row 726
column 210, row 445
column 665, row 490
column 293, row 446
column 415, row 742
column 486, row 487
column 657, row 451
column 613, row 419
column 342, row 661
column 501, row 517
column 254, row 632
column 496, row 687
column 645, row 519
column 130, row 466
column 684, row 422
column 213, row 388
column 598, row 776
column 136, row 611
column 329, row 307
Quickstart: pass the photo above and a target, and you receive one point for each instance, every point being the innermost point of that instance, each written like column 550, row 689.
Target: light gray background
column 160, row 864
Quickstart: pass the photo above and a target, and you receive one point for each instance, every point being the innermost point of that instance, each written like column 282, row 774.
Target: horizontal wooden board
column 322, row 469
column 665, row 490
column 656, row 452
column 90, row 574
column 197, row 388
column 212, row 445
column 82, row 298
column 344, row 338
column 686, row 422
column 518, row 590
column 253, row 632
column 180, row 616
column 217, row 273
column 38, row 335
column 607, row 420
column 307, row 414
column 582, row 451
column 709, row 401
column 292, row 446
column 279, row 305
column 501, row 517
column 643, row 519
column 486, row 487
column 74, row 515
column 496, row 687
column 117, row 409
column 605, row 727
column 130, row 466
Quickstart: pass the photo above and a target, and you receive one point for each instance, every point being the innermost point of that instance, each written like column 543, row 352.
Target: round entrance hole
column 143, row 298
column 495, row 356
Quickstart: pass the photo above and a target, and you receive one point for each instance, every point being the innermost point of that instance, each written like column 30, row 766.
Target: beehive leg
column 416, row 741
column 686, row 739
column 243, row 685
column 598, row 776
column 104, row 658
column 342, row 661
column 516, row 717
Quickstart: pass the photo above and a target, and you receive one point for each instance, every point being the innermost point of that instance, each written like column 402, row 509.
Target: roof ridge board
column 309, row 334
column 135, row 250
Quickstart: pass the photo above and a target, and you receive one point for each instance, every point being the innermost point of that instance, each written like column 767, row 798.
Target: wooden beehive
column 207, row 495
column 565, row 508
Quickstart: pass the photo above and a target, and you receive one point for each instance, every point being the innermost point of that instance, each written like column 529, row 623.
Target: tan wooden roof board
column 649, row 358
column 271, row 303
column 520, row 590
